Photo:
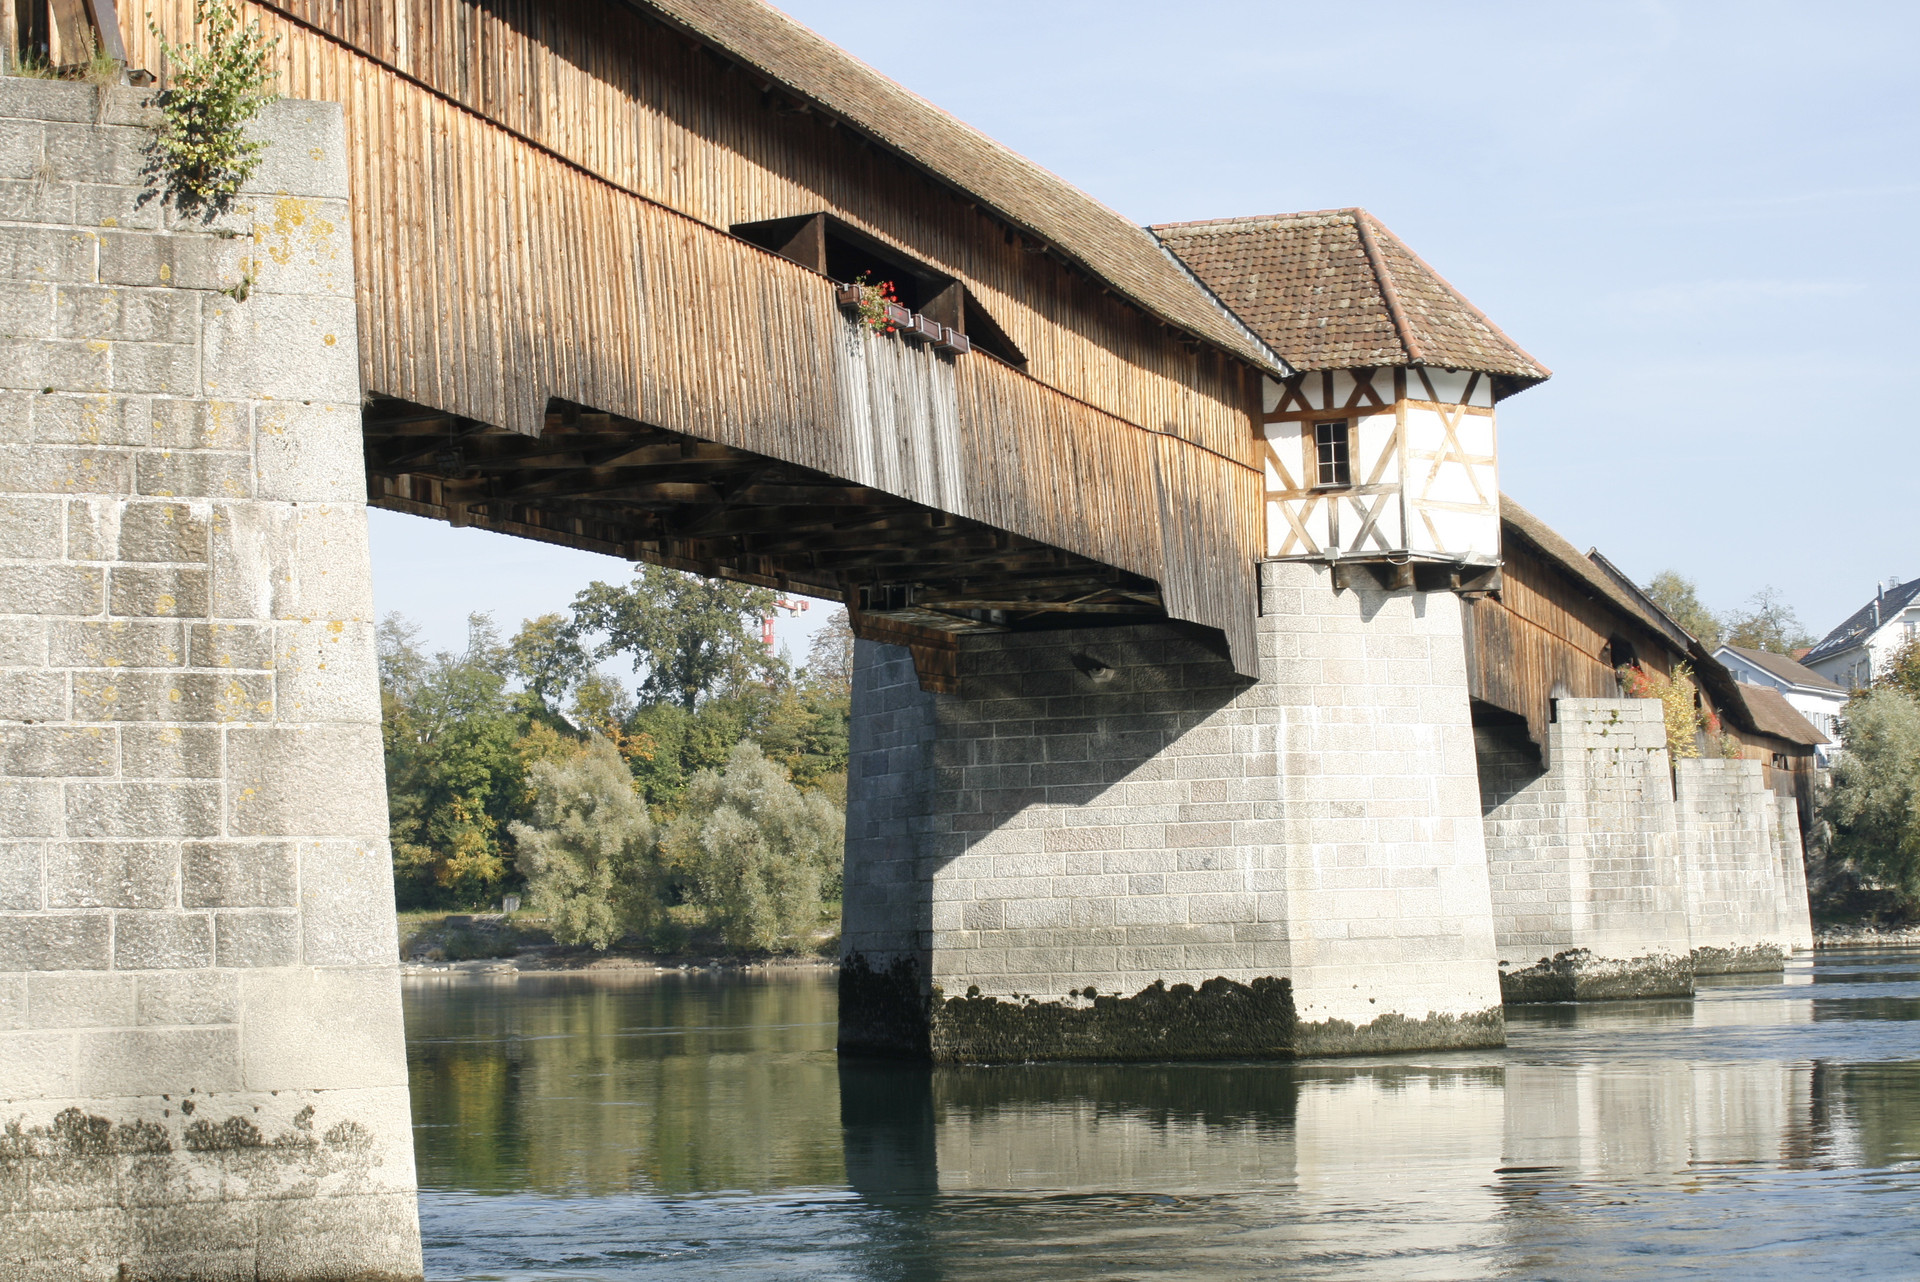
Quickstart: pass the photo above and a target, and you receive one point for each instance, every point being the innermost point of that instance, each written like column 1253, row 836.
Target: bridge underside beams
column 909, row 574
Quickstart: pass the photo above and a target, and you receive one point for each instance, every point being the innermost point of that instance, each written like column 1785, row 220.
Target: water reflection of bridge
column 1601, row 1131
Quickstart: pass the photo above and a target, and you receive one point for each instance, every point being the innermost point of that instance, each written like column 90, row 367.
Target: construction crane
column 766, row 624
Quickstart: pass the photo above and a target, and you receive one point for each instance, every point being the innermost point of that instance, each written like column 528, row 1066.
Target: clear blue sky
column 1701, row 216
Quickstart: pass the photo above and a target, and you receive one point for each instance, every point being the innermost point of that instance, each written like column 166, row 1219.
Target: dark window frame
column 1333, row 454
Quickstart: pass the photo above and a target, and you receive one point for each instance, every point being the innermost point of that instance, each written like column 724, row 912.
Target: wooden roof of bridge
column 1119, row 253
column 1337, row 290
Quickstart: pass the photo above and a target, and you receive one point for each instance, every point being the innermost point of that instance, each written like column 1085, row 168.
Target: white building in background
column 1811, row 695
column 1857, row 651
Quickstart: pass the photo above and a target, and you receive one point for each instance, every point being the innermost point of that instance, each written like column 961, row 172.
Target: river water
column 700, row 1126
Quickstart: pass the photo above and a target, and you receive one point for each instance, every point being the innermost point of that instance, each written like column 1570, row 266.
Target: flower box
column 925, row 330
column 848, row 296
column 952, row 340
column 899, row 317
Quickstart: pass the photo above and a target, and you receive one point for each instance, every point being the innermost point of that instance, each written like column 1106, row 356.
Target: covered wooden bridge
column 599, row 252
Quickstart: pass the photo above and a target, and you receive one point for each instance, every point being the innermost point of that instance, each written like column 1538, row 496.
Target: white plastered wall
column 1423, row 466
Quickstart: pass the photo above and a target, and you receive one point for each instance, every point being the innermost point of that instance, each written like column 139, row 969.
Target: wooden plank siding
column 1546, row 636
column 540, row 203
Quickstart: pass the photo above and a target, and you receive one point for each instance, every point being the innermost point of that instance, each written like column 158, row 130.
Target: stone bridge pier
column 1619, row 872
column 1108, row 845
column 202, row 1069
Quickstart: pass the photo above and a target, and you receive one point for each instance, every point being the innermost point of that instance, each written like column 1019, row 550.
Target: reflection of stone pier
column 1443, row 1166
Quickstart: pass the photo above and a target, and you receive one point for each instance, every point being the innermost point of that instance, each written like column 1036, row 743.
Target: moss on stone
column 1393, row 1032
column 885, row 1012
column 1578, row 975
column 1735, row 961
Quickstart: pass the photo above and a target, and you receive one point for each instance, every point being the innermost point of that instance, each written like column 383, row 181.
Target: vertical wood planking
column 494, row 274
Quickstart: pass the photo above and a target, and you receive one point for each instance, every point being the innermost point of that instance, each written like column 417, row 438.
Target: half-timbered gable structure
column 1381, row 446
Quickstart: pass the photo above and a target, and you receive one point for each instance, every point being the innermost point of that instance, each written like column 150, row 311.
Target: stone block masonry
column 1621, row 873
column 201, row 1057
column 1737, row 886
column 1589, row 889
column 1110, row 846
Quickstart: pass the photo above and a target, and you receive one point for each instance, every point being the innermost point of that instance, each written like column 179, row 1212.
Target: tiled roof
column 1786, row 669
column 1122, row 255
column 1770, row 713
column 1864, row 621
column 1337, row 290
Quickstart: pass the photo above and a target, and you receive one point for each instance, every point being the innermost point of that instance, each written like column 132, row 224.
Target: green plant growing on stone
column 755, row 852
column 95, row 69
column 31, row 65
column 241, row 289
column 214, row 89
column 99, row 68
column 589, row 854
column 1677, row 702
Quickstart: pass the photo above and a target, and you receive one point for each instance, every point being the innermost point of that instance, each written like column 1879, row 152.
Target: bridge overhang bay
column 561, row 338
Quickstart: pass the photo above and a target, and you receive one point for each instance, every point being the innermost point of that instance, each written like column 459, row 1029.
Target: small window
column 1330, row 453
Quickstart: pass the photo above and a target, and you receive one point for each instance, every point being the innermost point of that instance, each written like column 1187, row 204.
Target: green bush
column 1872, row 809
column 589, row 853
column 755, row 853
column 213, row 91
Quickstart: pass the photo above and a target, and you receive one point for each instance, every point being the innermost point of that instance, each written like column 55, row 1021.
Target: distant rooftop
column 1886, row 603
column 1786, row 669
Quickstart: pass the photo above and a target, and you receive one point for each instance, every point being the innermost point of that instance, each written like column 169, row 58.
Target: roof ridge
column 1366, row 217
column 1248, row 219
column 1389, row 288
column 1784, row 666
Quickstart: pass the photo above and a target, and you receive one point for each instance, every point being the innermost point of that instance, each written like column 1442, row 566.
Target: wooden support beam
column 105, row 15
column 71, row 30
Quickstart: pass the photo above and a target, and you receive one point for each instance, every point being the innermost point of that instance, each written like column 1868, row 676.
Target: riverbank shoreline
column 551, row 961
column 1866, row 937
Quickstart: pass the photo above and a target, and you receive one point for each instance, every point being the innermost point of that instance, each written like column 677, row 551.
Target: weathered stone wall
column 1115, row 811
column 1793, row 874
column 201, row 1056
column 1589, row 895
column 1736, row 891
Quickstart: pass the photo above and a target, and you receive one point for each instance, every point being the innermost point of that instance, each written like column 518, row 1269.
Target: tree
column 690, row 637
column 1873, row 806
column 454, row 775
column 589, row 851
column 830, row 658
column 548, row 659
column 1767, row 623
column 1676, row 594
column 1903, row 671
column 1678, row 703
column 754, row 852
